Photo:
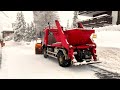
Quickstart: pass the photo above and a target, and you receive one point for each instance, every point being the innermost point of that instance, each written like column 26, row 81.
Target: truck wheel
column 45, row 53
column 62, row 61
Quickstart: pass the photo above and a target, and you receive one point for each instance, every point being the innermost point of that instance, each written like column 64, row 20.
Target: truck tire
column 45, row 53
column 61, row 60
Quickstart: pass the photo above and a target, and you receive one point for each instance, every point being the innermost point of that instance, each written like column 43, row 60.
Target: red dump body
column 78, row 37
column 75, row 37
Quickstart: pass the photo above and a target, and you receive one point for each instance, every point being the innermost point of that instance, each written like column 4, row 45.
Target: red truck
column 70, row 47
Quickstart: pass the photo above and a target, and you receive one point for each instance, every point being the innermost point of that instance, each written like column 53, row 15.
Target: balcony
column 98, row 22
column 93, row 13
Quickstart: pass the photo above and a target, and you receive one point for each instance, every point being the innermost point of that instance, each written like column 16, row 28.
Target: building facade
column 100, row 18
column 6, row 33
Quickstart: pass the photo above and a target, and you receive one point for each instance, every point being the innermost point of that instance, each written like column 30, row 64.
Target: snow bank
column 108, row 39
column 108, row 36
column 110, row 58
column 23, row 43
column 108, row 45
column 13, row 43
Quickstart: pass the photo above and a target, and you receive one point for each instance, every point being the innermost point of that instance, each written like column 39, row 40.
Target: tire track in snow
column 109, row 68
column 104, row 74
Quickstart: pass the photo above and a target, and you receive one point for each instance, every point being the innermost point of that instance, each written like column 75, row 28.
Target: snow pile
column 110, row 58
column 22, row 43
column 13, row 43
column 108, row 36
column 108, row 39
column 108, row 47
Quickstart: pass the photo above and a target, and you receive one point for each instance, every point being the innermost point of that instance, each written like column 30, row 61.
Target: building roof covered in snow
column 7, row 29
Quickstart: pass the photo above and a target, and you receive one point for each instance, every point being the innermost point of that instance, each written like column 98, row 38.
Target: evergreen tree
column 41, row 19
column 33, row 32
column 20, row 27
column 30, row 32
column 27, row 33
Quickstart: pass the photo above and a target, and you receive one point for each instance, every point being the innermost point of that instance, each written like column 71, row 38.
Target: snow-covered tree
column 33, row 32
column 27, row 33
column 41, row 19
column 30, row 32
column 20, row 27
column 75, row 18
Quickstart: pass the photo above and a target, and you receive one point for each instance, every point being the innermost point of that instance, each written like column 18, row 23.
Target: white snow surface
column 108, row 39
column 108, row 36
column 108, row 47
column 19, row 61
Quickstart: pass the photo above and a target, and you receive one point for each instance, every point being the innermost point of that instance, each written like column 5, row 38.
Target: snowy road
column 21, row 62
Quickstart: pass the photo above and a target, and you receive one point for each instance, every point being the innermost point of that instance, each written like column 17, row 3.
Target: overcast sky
column 27, row 14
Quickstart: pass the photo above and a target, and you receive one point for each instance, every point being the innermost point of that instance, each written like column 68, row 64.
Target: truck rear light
column 93, row 37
